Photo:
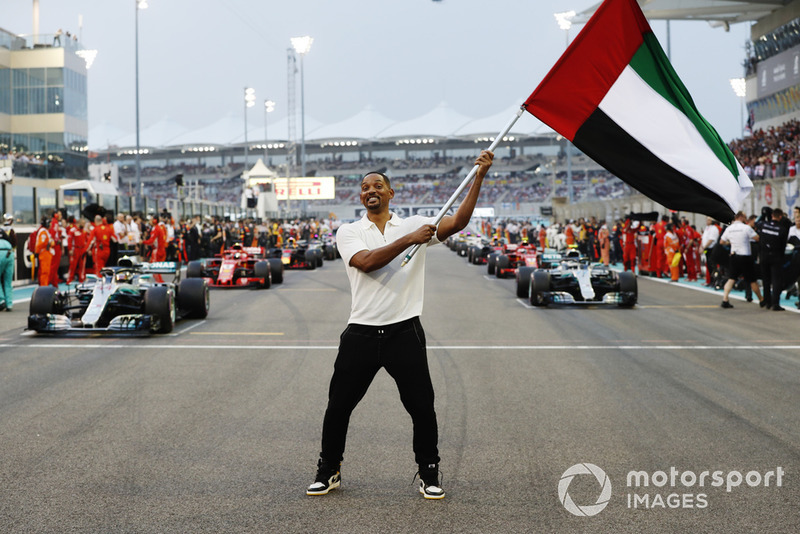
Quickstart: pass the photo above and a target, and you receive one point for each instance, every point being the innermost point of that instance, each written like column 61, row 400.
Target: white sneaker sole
column 324, row 491
column 431, row 497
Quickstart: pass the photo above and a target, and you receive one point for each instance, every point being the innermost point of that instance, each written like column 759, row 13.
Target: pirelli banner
column 308, row 188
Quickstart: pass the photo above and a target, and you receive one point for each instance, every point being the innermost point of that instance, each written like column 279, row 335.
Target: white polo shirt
column 794, row 231
column 710, row 236
column 739, row 235
column 390, row 294
column 121, row 230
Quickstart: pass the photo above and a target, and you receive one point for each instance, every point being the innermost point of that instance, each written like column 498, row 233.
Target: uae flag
column 615, row 95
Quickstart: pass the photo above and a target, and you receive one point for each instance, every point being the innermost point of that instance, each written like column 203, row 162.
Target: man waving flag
column 615, row 95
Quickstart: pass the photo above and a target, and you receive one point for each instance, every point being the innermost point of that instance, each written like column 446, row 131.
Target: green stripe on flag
column 651, row 63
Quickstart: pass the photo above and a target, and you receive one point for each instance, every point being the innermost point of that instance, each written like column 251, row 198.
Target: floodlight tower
column 740, row 88
column 302, row 45
column 564, row 21
column 249, row 102
column 291, row 110
column 269, row 107
column 140, row 4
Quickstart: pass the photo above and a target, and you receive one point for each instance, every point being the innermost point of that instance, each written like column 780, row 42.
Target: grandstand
column 518, row 186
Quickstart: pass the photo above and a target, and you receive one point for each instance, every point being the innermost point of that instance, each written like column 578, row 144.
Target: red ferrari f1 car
column 238, row 267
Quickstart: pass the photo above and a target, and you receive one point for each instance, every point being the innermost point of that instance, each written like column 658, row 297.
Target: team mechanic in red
column 78, row 246
column 157, row 240
column 55, row 233
column 101, row 237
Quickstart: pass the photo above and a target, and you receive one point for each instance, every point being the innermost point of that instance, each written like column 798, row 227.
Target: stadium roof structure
column 106, row 134
column 489, row 126
column 720, row 12
column 160, row 133
column 441, row 121
column 366, row 124
column 219, row 132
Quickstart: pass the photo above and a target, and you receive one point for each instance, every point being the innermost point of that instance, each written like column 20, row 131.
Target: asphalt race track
column 216, row 427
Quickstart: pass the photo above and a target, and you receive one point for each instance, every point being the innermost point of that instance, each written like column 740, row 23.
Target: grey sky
column 401, row 56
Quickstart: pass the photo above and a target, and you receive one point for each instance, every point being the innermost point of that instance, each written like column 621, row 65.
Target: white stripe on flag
column 664, row 130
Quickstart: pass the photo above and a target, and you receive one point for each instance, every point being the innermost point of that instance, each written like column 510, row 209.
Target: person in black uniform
column 193, row 239
column 773, row 232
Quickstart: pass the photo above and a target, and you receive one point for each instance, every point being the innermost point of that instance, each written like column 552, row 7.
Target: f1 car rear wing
column 160, row 267
column 551, row 257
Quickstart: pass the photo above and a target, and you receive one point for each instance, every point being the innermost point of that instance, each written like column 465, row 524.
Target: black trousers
column 363, row 350
column 772, row 276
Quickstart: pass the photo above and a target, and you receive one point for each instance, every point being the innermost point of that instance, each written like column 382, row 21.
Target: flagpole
column 467, row 180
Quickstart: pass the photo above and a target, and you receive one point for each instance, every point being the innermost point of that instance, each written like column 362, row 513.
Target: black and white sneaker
column 328, row 478
column 430, row 485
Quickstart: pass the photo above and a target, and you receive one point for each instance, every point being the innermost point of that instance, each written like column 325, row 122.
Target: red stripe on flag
column 580, row 79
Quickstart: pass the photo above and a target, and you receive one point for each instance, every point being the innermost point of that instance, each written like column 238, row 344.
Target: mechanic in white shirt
column 795, row 230
column 739, row 235
column 121, row 232
column 134, row 235
column 513, row 231
column 384, row 329
column 707, row 242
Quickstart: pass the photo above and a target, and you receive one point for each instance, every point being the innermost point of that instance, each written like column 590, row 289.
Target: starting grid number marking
column 179, row 332
column 525, row 304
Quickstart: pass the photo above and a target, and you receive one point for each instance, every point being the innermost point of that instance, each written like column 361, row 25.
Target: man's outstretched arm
column 455, row 223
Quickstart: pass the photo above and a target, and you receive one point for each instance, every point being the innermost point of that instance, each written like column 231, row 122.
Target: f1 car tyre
column 194, row 269
column 193, row 298
column 470, row 252
column 43, row 300
column 462, row 249
column 158, row 301
column 492, row 262
column 628, row 284
column 310, row 259
column 524, row 281
column 330, row 252
column 540, row 283
column 476, row 256
column 503, row 262
column 276, row 270
column 320, row 260
column 262, row 271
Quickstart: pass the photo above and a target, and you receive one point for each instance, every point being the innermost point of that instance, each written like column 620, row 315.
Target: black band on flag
column 605, row 142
